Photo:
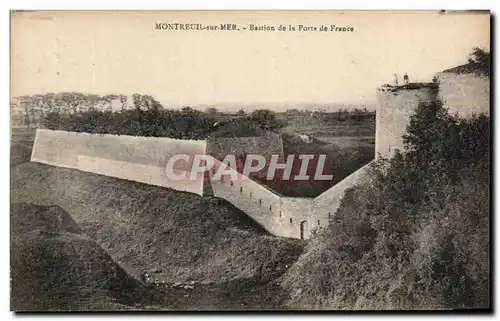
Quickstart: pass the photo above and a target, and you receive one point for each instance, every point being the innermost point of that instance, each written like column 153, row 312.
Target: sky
column 122, row 52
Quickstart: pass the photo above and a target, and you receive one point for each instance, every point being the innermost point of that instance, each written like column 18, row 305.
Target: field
column 349, row 130
column 348, row 144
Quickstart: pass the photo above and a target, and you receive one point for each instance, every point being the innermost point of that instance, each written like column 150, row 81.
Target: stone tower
column 396, row 104
column 464, row 93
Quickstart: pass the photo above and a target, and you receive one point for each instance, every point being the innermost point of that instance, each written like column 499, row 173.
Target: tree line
column 325, row 116
column 139, row 115
column 33, row 109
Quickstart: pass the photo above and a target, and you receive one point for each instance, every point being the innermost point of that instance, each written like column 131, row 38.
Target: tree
column 92, row 102
column 211, row 111
column 16, row 116
column 123, row 101
column 71, row 102
column 53, row 120
column 149, row 103
column 145, row 102
column 267, row 119
column 430, row 121
column 137, row 101
column 26, row 104
column 481, row 59
column 239, row 127
column 107, row 101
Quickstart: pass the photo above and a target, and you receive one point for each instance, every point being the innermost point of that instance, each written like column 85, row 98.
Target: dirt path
column 244, row 294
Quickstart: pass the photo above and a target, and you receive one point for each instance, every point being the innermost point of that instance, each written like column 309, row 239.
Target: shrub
column 417, row 238
column 183, row 124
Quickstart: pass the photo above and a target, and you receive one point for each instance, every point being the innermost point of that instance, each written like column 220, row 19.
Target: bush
column 184, row 124
column 241, row 127
column 417, row 238
column 267, row 119
column 187, row 123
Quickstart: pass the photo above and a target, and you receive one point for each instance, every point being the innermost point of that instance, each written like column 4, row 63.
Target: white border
column 250, row 5
column 199, row 5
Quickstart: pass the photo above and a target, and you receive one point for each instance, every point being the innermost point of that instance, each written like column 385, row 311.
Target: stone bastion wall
column 144, row 159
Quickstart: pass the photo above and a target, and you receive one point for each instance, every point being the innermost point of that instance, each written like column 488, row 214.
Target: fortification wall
column 300, row 216
column 281, row 216
column 147, row 174
column 296, row 217
column 329, row 201
column 465, row 94
column 249, row 196
column 396, row 106
column 141, row 159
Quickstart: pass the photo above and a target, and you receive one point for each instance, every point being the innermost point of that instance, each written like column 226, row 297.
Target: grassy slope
column 56, row 267
column 20, row 153
column 179, row 235
column 374, row 255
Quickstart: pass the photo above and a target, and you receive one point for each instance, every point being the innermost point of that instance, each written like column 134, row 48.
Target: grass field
column 346, row 133
column 348, row 145
column 21, row 145
column 54, row 266
column 173, row 236
column 151, row 228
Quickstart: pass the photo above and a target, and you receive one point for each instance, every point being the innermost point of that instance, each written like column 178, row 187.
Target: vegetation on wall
column 478, row 63
column 418, row 237
column 411, row 86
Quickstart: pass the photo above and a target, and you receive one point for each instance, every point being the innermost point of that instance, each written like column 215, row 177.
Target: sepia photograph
column 250, row 161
